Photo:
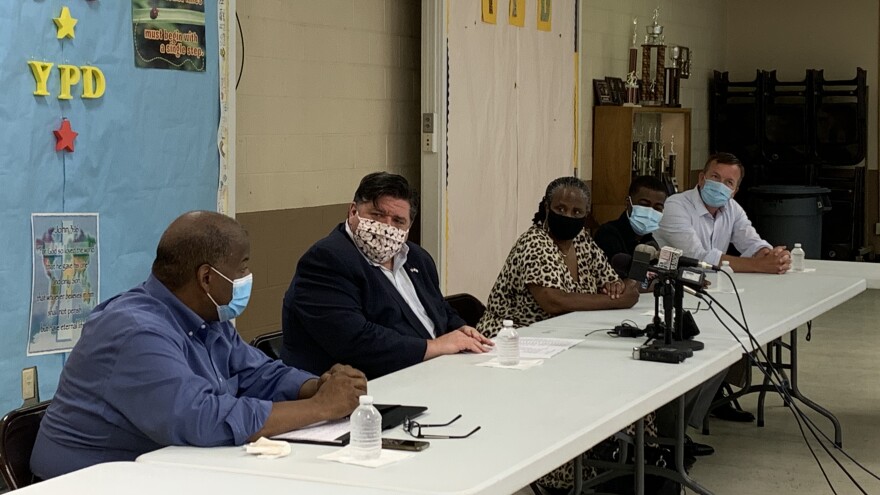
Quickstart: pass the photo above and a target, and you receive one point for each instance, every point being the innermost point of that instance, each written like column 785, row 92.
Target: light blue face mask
column 241, row 294
column 715, row 194
column 643, row 219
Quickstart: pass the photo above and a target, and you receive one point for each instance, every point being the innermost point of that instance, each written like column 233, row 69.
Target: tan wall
column 330, row 92
column 794, row 35
column 278, row 239
column 607, row 30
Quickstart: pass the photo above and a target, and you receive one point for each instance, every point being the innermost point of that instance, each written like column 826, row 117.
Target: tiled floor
column 839, row 369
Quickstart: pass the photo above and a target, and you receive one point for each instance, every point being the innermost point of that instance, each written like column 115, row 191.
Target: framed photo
column 602, row 94
column 618, row 90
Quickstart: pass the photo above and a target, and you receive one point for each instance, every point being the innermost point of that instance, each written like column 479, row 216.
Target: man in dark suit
column 365, row 296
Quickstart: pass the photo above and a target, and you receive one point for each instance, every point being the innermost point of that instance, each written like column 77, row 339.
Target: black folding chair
column 270, row 344
column 18, row 432
column 468, row 307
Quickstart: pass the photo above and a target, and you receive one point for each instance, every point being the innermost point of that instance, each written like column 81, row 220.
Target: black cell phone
column 412, row 445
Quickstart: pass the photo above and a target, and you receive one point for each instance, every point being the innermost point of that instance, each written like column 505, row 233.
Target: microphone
column 641, row 261
column 621, row 262
column 671, row 259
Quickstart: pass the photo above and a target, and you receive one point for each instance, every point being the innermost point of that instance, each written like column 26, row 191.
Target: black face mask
column 564, row 228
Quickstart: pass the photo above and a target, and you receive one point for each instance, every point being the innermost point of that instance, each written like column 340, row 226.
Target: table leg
column 685, row 479
column 639, row 481
column 796, row 393
column 578, row 475
column 789, row 382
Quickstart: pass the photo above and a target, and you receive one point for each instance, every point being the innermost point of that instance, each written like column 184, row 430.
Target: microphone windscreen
column 621, row 263
column 648, row 250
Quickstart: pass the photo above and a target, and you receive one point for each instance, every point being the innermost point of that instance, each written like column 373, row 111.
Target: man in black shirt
column 644, row 208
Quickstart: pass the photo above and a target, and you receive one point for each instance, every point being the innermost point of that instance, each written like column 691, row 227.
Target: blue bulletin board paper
column 146, row 152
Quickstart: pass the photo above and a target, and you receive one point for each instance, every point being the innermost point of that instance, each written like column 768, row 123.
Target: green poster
column 169, row 34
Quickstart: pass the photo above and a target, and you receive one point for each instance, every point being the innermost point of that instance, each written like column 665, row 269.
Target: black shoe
column 728, row 413
column 693, row 448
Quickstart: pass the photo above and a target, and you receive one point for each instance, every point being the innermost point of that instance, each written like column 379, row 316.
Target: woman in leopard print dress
column 555, row 268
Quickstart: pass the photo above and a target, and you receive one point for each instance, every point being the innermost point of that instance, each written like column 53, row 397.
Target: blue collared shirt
column 147, row 373
column 688, row 225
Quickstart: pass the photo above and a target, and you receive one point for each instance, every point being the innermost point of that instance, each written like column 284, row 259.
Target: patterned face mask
column 378, row 241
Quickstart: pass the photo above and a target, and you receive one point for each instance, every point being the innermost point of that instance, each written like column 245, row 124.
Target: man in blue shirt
column 161, row 364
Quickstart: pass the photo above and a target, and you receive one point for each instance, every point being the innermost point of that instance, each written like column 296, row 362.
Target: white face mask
column 378, row 241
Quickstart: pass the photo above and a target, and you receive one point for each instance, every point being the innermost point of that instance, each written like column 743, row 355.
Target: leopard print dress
column 535, row 259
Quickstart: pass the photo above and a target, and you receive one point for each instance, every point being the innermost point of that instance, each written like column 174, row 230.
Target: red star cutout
column 64, row 136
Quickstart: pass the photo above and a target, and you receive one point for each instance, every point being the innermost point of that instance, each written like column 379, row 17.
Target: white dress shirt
column 400, row 280
column 688, row 225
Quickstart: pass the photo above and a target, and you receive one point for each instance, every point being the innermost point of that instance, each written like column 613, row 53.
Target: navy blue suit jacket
column 341, row 309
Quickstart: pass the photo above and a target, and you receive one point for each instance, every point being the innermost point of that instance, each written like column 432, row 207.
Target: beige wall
column 274, row 254
column 330, row 92
column 794, row 35
column 607, row 30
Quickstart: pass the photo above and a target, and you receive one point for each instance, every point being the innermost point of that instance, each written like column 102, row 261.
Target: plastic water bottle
column 508, row 344
column 797, row 258
column 724, row 283
column 366, row 430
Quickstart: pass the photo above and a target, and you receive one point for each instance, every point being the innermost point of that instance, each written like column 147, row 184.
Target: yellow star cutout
column 65, row 24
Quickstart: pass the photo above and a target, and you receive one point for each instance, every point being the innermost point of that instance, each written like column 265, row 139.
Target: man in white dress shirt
column 704, row 221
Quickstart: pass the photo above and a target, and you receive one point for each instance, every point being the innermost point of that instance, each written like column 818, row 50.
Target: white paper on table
column 540, row 347
column 325, row 431
column 343, row 455
column 523, row 364
column 718, row 291
column 805, row 270
column 264, row 448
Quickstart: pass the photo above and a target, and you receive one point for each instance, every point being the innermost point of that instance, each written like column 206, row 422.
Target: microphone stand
column 681, row 342
column 670, row 289
column 657, row 328
column 668, row 308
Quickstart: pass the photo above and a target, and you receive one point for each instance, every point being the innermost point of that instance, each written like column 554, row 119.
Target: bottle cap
column 507, row 323
column 366, row 399
column 797, row 244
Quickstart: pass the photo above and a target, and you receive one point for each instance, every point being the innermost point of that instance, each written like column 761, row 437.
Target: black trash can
column 784, row 215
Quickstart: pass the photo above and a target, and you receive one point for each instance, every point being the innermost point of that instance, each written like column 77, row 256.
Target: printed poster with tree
column 169, row 34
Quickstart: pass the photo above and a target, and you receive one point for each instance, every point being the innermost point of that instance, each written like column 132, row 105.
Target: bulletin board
column 144, row 151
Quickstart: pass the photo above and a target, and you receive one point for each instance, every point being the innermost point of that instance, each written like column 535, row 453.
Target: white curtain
column 511, row 131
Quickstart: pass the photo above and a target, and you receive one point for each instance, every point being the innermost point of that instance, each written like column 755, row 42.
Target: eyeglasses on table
column 414, row 428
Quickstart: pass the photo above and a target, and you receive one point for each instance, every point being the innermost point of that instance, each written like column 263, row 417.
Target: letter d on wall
column 94, row 83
